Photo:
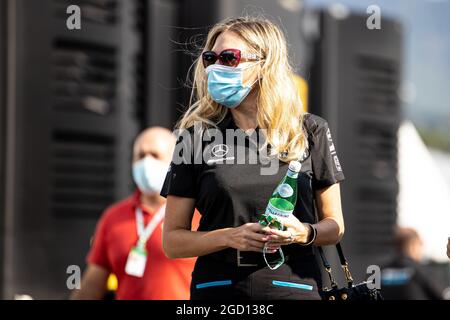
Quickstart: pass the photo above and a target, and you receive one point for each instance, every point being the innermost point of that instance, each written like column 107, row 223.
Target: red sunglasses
column 228, row 57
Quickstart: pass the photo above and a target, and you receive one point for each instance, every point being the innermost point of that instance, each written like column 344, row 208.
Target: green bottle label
column 279, row 208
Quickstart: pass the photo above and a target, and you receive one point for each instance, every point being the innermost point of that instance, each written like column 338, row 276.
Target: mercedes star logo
column 220, row 150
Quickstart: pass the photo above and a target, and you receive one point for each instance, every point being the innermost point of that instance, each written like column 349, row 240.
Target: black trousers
column 296, row 279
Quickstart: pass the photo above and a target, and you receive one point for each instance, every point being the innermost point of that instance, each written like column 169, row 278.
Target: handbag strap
column 327, row 267
column 344, row 265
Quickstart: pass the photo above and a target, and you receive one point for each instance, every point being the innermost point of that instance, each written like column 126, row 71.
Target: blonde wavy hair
column 279, row 107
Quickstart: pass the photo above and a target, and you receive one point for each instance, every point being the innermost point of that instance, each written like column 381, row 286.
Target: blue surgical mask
column 149, row 174
column 225, row 84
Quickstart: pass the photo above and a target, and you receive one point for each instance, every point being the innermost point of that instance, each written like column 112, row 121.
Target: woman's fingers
column 280, row 234
column 256, row 227
column 255, row 244
column 257, row 236
column 281, row 237
column 254, row 240
column 274, row 238
column 273, row 246
column 252, row 248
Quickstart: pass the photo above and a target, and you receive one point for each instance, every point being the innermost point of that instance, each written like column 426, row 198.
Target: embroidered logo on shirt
column 220, row 150
column 219, row 153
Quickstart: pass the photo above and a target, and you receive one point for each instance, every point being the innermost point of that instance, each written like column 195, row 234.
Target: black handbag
column 358, row 292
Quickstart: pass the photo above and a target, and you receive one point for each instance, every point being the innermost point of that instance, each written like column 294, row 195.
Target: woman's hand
column 248, row 237
column 296, row 232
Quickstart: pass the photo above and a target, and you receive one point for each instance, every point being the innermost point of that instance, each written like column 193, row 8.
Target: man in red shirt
column 128, row 237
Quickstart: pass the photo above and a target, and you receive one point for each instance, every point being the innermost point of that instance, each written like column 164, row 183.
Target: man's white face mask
column 149, row 174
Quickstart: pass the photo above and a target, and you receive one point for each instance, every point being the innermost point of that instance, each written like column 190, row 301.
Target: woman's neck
column 245, row 115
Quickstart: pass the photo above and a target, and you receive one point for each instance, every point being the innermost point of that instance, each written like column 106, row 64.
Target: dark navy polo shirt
column 228, row 193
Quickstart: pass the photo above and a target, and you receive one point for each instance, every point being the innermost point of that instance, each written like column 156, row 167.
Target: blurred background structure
column 72, row 101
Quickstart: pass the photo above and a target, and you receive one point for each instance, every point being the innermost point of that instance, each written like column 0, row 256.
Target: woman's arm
column 180, row 242
column 330, row 227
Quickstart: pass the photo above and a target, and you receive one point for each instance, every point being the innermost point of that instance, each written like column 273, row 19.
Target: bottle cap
column 295, row 166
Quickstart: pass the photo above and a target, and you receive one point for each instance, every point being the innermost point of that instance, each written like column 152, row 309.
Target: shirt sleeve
column 326, row 167
column 181, row 178
column 98, row 254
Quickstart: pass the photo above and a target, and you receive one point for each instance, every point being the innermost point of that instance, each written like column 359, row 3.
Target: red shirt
column 116, row 234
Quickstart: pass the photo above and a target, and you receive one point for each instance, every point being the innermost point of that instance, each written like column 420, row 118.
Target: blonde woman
column 243, row 82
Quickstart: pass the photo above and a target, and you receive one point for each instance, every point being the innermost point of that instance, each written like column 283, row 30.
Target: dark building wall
column 74, row 111
column 355, row 80
column 163, row 79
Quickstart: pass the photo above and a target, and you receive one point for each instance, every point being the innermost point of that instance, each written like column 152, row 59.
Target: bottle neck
column 291, row 174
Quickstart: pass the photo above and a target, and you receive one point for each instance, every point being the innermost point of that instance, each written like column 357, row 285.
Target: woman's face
column 230, row 40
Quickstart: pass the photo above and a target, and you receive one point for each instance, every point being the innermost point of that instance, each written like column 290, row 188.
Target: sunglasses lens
column 209, row 58
column 229, row 58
